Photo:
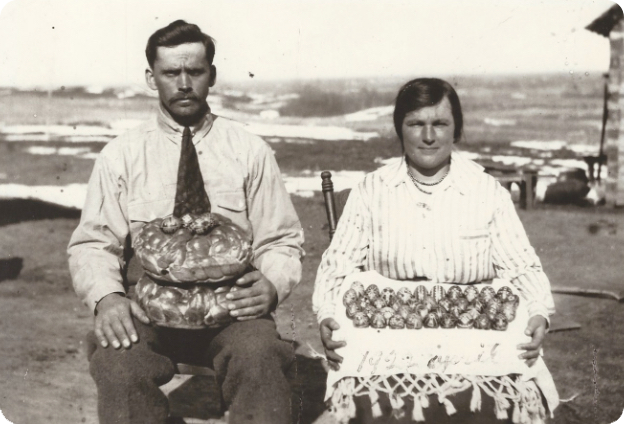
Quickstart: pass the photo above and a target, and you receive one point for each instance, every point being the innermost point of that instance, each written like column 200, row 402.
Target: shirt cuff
column 283, row 272
column 535, row 308
column 100, row 291
column 328, row 310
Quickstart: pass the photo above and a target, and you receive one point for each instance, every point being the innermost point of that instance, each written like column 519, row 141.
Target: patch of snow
column 71, row 196
column 331, row 133
column 62, row 151
column 569, row 163
column 70, row 133
column 498, row 122
column 540, row 144
column 269, row 114
column 370, row 114
column 512, row 160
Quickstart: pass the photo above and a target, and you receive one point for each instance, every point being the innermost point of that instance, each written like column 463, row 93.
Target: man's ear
column 149, row 79
column 213, row 75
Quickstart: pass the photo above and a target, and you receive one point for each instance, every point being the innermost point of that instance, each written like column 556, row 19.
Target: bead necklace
column 418, row 183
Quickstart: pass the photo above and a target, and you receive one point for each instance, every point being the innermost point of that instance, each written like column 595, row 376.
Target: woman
column 435, row 215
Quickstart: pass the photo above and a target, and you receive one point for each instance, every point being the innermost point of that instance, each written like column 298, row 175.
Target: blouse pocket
column 474, row 245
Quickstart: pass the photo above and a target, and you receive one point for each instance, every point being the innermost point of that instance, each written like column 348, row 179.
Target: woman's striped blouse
column 466, row 231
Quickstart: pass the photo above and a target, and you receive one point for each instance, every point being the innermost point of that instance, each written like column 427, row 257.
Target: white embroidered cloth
column 470, row 352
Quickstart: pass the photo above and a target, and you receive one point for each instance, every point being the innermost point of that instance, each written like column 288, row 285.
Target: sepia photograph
column 311, row 212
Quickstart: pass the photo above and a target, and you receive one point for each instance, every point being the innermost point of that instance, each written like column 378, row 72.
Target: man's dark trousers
column 249, row 359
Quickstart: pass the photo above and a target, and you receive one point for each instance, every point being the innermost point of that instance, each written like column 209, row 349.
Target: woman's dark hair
column 176, row 33
column 424, row 92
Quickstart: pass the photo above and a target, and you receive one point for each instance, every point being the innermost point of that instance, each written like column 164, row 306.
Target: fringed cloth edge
column 508, row 391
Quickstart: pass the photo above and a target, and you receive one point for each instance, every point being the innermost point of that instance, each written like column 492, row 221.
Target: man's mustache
column 187, row 96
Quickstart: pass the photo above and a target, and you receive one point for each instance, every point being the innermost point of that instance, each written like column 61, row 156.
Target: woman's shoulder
column 386, row 174
column 472, row 178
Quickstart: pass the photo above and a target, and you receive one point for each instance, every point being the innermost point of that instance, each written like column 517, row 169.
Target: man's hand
column 537, row 330
column 113, row 322
column 327, row 327
column 252, row 297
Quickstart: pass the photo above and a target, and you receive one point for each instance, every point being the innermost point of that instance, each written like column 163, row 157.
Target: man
column 133, row 182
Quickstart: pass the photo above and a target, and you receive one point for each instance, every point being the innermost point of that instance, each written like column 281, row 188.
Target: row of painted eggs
column 440, row 308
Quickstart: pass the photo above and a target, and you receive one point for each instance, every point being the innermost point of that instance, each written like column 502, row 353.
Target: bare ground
column 45, row 373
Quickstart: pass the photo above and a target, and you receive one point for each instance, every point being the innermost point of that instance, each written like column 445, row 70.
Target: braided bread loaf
column 209, row 248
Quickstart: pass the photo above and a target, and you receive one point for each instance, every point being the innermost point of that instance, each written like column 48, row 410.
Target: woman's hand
column 537, row 330
column 327, row 327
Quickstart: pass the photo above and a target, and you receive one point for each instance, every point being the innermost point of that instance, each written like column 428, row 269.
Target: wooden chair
column 334, row 202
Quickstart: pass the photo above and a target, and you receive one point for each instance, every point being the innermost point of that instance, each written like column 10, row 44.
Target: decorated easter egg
column 471, row 293
column 413, row 321
column 378, row 320
column 437, row 292
column 203, row 224
column 387, row 294
column 438, row 311
column 477, row 304
column 472, row 312
column 361, row 320
column 482, row 322
column 349, row 297
column 487, row 293
column 379, row 303
column 412, row 302
column 396, row 305
column 491, row 310
column 500, row 323
column 404, row 311
column 422, row 310
column 369, row 310
column 372, row 291
column 503, row 293
column 428, row 300
column 447, row 321
column 454, row 292
column 404, row 294
column 396, row 322
column 509, row 311
column 445, row 304
column 170, row 224
column 387, row 312
column 352, row 309
column 363, row 302
column 513, row 299
column 456, row 311
column 420, row 293
column 431, row 321
column 463, row 303
column 358, row 287
column 465, row 320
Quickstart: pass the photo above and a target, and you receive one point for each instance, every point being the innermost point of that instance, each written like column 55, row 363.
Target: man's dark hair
column 176, row 33
column 424, row 92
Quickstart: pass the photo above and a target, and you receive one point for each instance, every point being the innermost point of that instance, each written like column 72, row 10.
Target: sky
column 49, row 43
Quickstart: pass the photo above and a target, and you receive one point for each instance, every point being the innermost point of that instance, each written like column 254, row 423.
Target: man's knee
column 129, row 366
column 261, row 348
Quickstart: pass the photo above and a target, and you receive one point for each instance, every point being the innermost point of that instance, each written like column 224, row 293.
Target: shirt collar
column 173, row 130
column 462, row 173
